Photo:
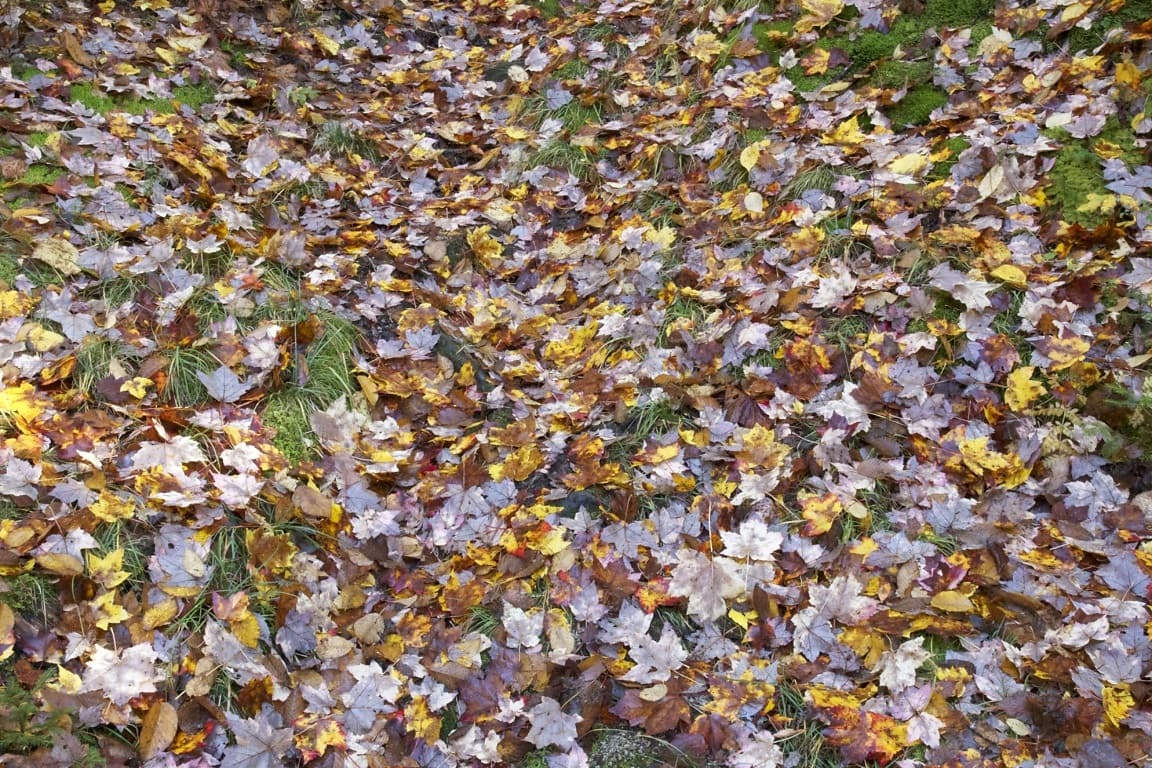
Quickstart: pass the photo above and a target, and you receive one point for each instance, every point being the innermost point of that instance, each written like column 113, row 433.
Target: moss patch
column 897, row 74
column 285, row 413
column 90, row 97
column 623, row 749
column 194, row 96
column 1076, row 174
column 916, row 107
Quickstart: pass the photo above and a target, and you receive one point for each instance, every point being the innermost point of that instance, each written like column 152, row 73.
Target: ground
column 555, row 383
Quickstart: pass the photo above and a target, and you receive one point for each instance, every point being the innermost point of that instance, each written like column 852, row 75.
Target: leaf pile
column 398, row 383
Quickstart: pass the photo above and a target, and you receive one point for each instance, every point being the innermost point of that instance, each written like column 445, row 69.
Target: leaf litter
column 399, row 383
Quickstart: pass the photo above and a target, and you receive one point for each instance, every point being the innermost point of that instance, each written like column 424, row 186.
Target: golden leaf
column 952, row 600
column 1022, row 391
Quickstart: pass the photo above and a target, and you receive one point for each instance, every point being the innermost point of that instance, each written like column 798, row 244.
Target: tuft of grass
column 339, row 138
column 681, row 313
column 183, row 387
column 93, row 361
column 33, row 595
column 807, row 748
column 137, row 548
column 560, row 154
column 482, row 619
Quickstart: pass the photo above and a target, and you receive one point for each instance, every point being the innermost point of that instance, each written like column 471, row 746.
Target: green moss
column 943, row 168
column 772, row 36
column 194, row 96
column 957, row 13
column 916, row 107
column 286, row 414
column 41, row 174
column 871, row 46
column 86, row 94
column 897, row 74
column 138, row 106
column 1133, row 11
column 37, row 138
column 1075, row 175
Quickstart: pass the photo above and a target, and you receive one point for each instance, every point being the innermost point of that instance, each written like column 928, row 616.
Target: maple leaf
column 258, row 743
column 122, row 675
column 898, row 668
column 551, row 726
column 706, row 582
column 656, row 660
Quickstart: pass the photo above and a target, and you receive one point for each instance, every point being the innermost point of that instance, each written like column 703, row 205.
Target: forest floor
column 615, row 384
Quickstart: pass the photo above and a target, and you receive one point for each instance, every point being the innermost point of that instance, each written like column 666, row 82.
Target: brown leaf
column 157, row 730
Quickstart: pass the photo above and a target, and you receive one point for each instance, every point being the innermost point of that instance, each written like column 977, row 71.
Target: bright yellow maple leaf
column 21, row 401
column 1022, row 391
column 1118, row 702
column 109, row 507
column 108, row 611
column 847, row 134
column 106, row 571
column 817, row 14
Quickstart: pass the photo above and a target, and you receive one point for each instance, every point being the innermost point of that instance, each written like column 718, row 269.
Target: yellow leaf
column 108, row 611
column 817, row 14
column 157, row 730
column 486, row 248
column 1022, row 391
column 1118, row 702
column 750, row 155
column 1129, row 74
column 754, row 202
column 110, row 507
column 20, row 401
column 246, row 628
column 820, row 512
column 106, row 571
column 908, row 164
column 419, row 720
column 327, row 44
column 186, row 43
column 59, row 254
column 663, row 238
column 1012, row 275
column 519, row 465
column 7, row 631
column 160, row 614
column 846, row 134
column 705, row 46
column 42, row 339
column 14, row 304
column 67, row 680
column 1066, row 352
column 951, row 600
column 137, row 387
column 60, row 564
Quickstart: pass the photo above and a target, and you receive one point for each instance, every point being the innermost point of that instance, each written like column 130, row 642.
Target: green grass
column 340, row 139
column 30, row 728
column 183, row 387
column 653, row 418
column 680, row 313
column 286, row 414
column 137, row 548
column 12, row 266
column 33, row 595
column 482, row 619
column 93, row 360
column 90, row 97
column 558, row 153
